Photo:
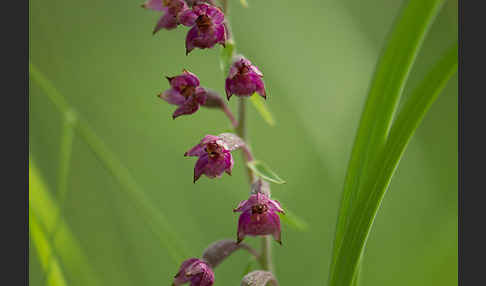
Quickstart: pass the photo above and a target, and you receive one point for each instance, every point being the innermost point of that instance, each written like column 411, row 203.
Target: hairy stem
column 266, row 255
column 241, row 132
column 229, row 114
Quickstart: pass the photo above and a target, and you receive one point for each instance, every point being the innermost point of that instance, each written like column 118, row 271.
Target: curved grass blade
column 44, row 211
column 386, row 88
column 157, row 222
column 264, row 172
column 369, row 199
column 262, row 109
column 50, row 264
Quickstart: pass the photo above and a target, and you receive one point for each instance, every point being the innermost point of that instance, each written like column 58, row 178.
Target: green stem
column 241, row 132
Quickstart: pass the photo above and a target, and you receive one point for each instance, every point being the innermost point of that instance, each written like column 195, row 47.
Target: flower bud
column 196, row 271
column 259, row 278
column 244, row 79
column 185, row 92
column 259, row 217
column 172, row 9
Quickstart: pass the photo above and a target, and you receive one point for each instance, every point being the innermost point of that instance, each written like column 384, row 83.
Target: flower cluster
column 259, row 214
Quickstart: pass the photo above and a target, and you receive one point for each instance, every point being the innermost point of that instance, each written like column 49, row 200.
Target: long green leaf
column 157, row 222
column 44, row 211
column 374, row 188
column 262, row 109
column 264, row 172
column 386, row 88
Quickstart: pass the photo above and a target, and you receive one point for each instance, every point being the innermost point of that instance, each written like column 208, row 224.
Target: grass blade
column 157, row 222
column 386, row 88
column 374, row 188
column 44, row 211
column 50, row 264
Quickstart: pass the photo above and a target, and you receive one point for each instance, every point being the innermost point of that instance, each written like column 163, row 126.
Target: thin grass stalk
column 157, row 222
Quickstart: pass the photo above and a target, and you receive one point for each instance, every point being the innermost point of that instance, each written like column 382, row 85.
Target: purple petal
column 201, row 95
column 188, row 107
column 187, row 18
column 180, row 277
column 259, row 85
column 256, row 70
column 215, row 168
column 167, row 22
column 275, row 206
column 233, row 71
column 197, row 150
column 190, row 38
column 243, row 221
column 207, row 279
column 153, row 5
column 215, row 14
column 220, row 34
column 200, row 8
column 276, row 226
column 229, row 162
column 209, row 138
column 227, row 88
column 172, row 96
column 186, row 79
column 200, row 166
column 243, row 206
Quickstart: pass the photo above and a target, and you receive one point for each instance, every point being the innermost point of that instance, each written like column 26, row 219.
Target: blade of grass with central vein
column 386, row 88
column 50, row 264
column 374, row 188
column 157, row 222
column 45, row 212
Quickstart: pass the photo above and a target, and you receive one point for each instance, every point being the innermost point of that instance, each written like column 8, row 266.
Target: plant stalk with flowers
column 259, row 214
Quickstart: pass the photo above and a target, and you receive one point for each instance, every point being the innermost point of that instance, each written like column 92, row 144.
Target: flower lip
column 203, row 22
column 187, row 91
column 259, row 209
column 214, row 150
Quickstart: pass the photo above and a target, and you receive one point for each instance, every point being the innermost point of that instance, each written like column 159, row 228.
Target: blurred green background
column 318, row 57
